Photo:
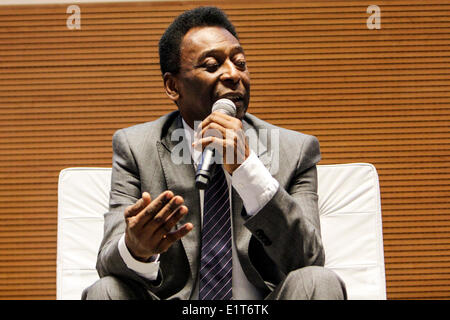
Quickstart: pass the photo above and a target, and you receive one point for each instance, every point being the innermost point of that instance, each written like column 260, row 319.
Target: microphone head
column 225, row 106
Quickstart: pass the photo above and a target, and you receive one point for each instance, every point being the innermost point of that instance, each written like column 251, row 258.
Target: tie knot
column 217, row 182
column 218, row 170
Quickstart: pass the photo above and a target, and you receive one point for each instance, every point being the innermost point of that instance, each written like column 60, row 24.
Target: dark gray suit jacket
column 283, row 236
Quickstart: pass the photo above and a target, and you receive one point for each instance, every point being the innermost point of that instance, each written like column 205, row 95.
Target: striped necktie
column 216, row 256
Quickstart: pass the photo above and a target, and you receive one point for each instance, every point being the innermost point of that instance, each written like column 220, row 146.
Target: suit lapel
column 259, row 143
column 180, row 179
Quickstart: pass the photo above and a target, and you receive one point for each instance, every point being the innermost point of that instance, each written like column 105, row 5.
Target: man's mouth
column 235, row 97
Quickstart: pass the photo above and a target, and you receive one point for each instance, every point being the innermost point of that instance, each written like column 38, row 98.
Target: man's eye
column 211, row 66
column 241, row 64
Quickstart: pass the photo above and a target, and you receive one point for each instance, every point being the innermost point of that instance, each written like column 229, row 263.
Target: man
column 155, row 240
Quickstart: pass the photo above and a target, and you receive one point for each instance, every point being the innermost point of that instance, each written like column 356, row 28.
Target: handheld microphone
column 203, row 174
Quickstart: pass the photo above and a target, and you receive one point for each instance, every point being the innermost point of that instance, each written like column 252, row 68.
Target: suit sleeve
column 288, row 226
column 125, row 191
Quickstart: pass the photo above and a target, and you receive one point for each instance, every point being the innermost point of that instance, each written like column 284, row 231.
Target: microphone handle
column 203, row 174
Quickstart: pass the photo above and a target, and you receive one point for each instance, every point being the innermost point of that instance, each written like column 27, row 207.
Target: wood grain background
column 378, row 96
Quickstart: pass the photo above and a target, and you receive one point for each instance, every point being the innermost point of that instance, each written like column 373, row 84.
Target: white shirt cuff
column 254, row 183
column 148, row 270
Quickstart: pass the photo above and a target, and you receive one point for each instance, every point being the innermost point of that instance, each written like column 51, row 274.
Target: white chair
column 350, row 215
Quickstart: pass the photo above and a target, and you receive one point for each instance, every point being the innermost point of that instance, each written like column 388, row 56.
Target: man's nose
column 231, row 75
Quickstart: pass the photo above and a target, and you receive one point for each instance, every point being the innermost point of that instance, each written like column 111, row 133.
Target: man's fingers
column 154, row 207
column 218, row 135
column 220, row 118
column 170, row 222
column 215, row 142
column 150, row 228
column 148, row 211
column 134, row 209
column 160, row 218
column 173, row 236
column 217, row 121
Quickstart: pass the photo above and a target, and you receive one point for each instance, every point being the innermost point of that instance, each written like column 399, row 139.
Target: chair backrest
column 350, row 216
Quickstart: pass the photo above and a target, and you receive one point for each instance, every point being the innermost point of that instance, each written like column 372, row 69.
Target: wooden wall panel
column 379, row 96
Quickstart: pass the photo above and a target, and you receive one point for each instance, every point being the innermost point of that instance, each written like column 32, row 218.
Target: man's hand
column 149, row 224
column 226, row 134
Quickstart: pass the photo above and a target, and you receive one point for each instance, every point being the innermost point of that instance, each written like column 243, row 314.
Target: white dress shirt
column 255, row 185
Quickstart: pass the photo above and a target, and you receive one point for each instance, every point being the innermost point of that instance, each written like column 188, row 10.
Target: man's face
column 212, row 66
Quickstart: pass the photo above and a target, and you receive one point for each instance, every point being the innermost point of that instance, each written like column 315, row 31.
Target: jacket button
column 262, row 236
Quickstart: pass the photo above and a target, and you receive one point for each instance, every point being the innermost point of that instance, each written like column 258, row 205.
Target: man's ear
column 171, row 86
